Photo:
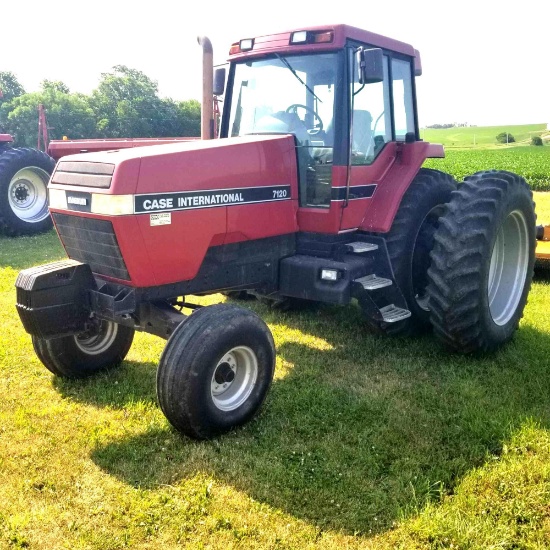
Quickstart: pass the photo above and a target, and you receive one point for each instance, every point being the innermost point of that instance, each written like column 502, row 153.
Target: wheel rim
column 508, row 268
column 28, row 196
column 98, row 339
column 234, row 378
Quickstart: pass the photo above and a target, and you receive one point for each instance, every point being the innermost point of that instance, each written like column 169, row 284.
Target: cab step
column 392, row 313
column 372, row 282
column 360, row 247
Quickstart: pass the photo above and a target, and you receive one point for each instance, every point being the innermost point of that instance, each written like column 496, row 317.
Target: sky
column 484, row 62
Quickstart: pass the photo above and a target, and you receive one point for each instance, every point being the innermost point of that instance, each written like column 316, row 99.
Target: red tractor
column 315, row 191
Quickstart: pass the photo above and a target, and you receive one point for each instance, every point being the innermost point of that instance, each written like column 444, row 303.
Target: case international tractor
column 315, row 191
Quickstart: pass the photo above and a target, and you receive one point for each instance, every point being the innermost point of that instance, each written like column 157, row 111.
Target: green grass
column 482, row 136
column 364, row 442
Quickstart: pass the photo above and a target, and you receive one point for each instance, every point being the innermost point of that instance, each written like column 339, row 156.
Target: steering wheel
column 317, row 119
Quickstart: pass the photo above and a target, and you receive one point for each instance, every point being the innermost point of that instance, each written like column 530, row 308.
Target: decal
column 164, row 218
column 79, row 201
column 355, row 192
column 159, row 202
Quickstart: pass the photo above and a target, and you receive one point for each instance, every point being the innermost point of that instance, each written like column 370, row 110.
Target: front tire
column 102, row 347
column 215, row 370
column 482, row 262
column 24, row 176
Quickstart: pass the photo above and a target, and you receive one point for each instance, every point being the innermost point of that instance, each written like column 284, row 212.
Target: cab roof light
column 311, row 37
column 246, row 44
column 299, row 37
column 323, row 37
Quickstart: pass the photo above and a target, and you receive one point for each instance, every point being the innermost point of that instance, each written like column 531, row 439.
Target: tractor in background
column 25, row 172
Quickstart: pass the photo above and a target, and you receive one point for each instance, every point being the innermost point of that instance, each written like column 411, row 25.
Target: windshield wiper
column 291, row 69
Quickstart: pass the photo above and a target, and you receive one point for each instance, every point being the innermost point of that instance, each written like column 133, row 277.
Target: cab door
column 383, row 122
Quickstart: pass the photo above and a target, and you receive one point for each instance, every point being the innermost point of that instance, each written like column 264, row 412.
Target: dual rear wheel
column 464, row 257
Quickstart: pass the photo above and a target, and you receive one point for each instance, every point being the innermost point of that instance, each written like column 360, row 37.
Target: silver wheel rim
column 508, row 268
column 234, row 378
column 28, row 195
column 98, row 340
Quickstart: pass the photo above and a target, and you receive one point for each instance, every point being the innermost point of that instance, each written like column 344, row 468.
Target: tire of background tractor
column 215, row 370
column 482, row 262
column 409, row 243
column 24, row 176
column 103, row 347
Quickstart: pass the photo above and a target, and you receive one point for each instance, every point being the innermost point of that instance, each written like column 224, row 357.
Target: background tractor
column 315, row 191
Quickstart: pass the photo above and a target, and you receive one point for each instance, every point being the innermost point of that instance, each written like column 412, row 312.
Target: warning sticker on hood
column 164, row 218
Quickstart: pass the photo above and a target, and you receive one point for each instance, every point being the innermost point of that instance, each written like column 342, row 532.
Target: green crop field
column 533, row 163
column 483, row 136
column 364, row 442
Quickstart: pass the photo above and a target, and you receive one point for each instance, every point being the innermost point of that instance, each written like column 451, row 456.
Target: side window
column 402, row 98
column 371, row 119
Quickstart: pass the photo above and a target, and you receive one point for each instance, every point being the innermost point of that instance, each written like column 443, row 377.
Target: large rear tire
column 102, row 347
column 409, row 243
column 24, row 176
column 215, row 370
column 482, row 262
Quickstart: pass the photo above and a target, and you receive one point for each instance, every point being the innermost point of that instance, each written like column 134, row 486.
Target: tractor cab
column 348, row 97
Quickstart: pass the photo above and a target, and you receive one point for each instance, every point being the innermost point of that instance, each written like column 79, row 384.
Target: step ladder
column 360, row 247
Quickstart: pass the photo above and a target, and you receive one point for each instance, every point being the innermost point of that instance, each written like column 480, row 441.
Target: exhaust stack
column 207, row 108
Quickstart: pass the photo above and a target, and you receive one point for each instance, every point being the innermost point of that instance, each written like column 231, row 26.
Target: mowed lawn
column 363, row 442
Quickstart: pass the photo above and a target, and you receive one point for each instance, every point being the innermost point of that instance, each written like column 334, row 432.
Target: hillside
column 483, row 136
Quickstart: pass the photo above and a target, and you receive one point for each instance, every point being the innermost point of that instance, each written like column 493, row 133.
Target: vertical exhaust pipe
column 207, row 105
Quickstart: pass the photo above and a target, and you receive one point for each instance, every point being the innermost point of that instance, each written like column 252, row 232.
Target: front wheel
column 482, row 262
column 215, row 370
column 104, row 345
column 24, row 176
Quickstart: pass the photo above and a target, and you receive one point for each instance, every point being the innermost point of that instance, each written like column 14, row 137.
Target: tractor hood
column 186, row 166
column 148, row 215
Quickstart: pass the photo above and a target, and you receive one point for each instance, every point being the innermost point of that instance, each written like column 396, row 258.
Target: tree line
column 124, row 104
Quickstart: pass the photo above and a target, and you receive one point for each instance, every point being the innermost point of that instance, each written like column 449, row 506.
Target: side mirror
column 370, row 65
column 219, row 81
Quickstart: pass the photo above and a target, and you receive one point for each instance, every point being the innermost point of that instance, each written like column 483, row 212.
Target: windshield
column 286, row 94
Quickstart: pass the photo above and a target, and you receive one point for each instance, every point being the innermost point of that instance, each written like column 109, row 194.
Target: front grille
column 89, row 174
column 92, row 242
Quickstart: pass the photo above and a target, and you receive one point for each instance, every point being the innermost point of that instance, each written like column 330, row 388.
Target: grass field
column 364, row 442
column 482, row 137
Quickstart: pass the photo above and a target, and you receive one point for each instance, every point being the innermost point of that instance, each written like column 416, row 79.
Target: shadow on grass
column 131, row 383
column 353, row 437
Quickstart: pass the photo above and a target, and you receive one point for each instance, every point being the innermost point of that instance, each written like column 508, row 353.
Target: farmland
column 482, row 137
column 364, row 441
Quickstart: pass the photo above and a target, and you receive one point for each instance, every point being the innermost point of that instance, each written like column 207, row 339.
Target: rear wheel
column 409, row 243
column 215, row 370
column 104, row 345
column 24, row 176
column 482, row 262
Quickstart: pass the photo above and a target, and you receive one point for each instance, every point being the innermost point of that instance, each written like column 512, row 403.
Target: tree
column 54, row 86
column 68, row 114
column 537, row 141
column 9, row 86
column 126, row 103
column 505, row 137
